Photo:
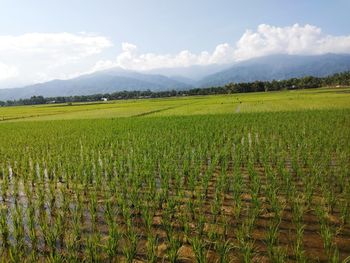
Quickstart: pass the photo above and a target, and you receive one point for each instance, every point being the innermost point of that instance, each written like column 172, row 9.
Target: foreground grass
column 248, row 187
column 324, row 98
column 261, row 177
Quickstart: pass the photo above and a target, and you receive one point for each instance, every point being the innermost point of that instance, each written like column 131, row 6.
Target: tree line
column 308, row 82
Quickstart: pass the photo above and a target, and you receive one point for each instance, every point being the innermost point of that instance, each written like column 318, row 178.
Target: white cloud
column 130, row 58
column 291, row 40
column 63, row 47
column 223, row 53
column 41, row 57
column 7, row 72
column 266, row 40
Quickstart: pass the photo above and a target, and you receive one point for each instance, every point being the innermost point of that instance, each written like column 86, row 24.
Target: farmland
column 235, row 178
column 324, row 98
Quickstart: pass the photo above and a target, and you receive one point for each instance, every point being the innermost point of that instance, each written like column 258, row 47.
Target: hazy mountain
column 191, row 73
column 279, row 67
column 106, row 81
column 264, row 68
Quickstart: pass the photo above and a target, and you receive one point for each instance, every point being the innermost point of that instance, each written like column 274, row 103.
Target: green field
column 331, row 98
column 260, row 177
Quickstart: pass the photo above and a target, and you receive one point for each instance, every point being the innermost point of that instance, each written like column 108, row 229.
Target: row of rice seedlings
column 97, row 162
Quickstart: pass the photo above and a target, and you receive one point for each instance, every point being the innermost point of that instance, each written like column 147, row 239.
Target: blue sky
column 170, row 26
column 154, row 33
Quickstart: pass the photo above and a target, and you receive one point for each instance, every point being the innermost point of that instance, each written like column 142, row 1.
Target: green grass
column 250, row 177
column 323, row 98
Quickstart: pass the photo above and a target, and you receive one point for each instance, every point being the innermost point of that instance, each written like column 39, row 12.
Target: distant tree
column 37, row 100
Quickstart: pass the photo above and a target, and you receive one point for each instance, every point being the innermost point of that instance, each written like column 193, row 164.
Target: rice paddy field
column 261, row 177
column 295, row 100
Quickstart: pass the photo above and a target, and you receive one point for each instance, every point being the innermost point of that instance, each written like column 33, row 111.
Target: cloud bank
column 131, row 58
column 7, row 72
column 293, row 40
column 266, row 40
column 40, row 57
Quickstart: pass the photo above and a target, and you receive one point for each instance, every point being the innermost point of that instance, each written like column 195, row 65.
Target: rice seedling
column 5, row 232
column 130, row 248
column 152, row 243
column 223, row 249
column 198, row 246
column 174, row 245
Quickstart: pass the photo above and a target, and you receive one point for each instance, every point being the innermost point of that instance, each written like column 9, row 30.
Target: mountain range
column 274, row 67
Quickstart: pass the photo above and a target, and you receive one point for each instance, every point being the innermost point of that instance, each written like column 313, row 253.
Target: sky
column 50, row 39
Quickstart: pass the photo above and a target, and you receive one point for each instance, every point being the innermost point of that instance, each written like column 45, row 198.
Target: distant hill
column 106, row 81
column 192, row 73
column 276, row 67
